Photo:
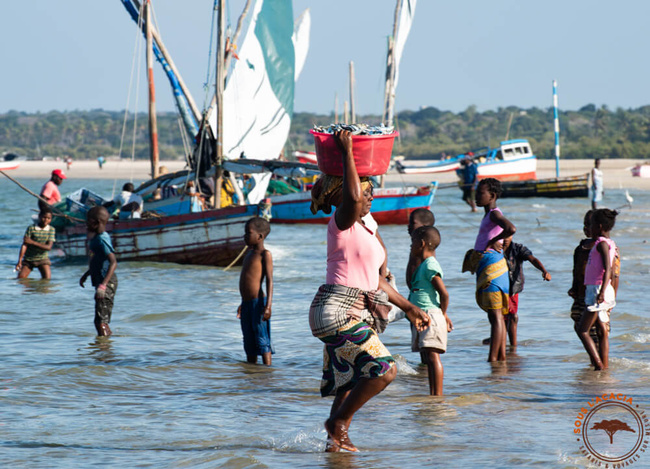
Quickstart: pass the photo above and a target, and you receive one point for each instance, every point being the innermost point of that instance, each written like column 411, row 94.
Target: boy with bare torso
column 255, row 308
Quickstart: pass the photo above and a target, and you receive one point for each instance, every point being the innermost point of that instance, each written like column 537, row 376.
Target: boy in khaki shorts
column 429, row 293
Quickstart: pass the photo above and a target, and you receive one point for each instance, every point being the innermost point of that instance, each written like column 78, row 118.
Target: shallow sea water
column 171, row 387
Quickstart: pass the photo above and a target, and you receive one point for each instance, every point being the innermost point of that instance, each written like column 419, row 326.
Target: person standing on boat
column 597, row 189
column 353, row 305
column 469, row 174
column 50, row 191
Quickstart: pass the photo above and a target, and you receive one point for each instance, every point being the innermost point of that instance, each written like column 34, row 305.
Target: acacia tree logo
column 612, row 426
column 611, row 414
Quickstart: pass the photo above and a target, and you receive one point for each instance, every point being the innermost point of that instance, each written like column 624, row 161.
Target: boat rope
column 57, row 211
column 463, row 219
column 236, row 259
column 128, row 99
column 137, row 91
column 208, row 78
column 186, row 141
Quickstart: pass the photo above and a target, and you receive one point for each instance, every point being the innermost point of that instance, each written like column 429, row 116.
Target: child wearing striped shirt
column 37, row 242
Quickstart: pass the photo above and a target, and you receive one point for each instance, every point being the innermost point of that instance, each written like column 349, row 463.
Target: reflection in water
column 101, row 350
column 35, row 285
column 342, row 460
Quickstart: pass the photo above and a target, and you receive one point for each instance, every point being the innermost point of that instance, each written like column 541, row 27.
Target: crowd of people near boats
column 359, row 297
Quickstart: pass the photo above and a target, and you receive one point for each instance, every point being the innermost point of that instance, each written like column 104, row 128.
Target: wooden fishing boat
column 177, row 230
column 562, row 187
column 390, row 205
column 512, row 160
column 212, row 237
column 10, row 161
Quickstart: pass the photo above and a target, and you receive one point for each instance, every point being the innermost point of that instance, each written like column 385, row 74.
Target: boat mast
column 153, row 124
column 352, row 110
column 233, row 41
column 172, row 66
column 389, row 91
column 557, row 131
column 336, row 107
column 219, row 89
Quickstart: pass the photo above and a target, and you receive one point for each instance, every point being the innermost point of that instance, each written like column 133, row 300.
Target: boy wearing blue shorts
column 429, row 293
column 255, row 308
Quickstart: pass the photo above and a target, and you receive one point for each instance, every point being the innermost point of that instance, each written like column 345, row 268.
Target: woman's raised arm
column 349, row 210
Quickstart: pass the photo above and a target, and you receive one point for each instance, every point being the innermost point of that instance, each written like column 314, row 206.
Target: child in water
column 255, row 308
column 600, row 296
column 577, row 290
column 37, row 242
column 429, row 293
column 487, row 261
column 516, row 254
column 101, row 268
column 417, row 218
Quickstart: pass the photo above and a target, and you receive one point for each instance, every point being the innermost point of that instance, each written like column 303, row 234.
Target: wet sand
column 616, row 172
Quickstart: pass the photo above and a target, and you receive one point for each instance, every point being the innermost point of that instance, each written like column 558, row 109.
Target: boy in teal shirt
column 429, row 293
column 101, row 268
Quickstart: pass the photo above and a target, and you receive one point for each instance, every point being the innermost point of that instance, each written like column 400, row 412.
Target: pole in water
column 557, row 131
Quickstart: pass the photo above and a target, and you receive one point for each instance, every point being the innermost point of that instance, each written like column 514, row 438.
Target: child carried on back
column 429, row 293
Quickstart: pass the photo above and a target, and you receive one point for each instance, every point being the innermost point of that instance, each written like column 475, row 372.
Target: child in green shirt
column 429, row 293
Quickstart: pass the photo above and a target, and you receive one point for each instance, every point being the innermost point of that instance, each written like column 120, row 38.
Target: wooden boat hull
column 564, row 187
column 519, row 169
column 427, row 167
column 512, row 160
column 213, row 237
column 390, row 206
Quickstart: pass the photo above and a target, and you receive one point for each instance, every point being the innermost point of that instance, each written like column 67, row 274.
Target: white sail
column 404, row 27
column 258, row 100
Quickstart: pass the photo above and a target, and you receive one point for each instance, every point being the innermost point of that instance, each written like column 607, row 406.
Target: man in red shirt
column 50, row 191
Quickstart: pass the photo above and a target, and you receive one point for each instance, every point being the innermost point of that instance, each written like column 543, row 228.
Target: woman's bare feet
column 338, row 432
column 330, row 446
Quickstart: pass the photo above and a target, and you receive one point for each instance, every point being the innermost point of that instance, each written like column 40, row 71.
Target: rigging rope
column 128, row 97
column 137, row 93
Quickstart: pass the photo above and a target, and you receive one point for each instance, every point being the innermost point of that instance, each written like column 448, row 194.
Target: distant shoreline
column 616, row 171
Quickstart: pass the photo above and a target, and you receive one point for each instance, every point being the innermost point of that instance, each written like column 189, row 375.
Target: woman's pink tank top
column 487, row 231
column 595, row 269
column 354, row 257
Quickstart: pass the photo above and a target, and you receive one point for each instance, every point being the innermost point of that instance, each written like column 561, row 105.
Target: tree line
column 590, row 132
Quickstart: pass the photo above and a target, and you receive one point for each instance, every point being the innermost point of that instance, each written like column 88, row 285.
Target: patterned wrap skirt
column 351, row 353
column 492, row 282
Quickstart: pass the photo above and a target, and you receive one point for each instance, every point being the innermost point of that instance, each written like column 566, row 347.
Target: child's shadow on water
column 38, row 286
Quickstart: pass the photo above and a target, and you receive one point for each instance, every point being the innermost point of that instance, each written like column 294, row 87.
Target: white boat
column 513, row 160
column 10, row 161
column 427, row 166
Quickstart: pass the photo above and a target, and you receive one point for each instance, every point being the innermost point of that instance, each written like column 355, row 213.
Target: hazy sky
column 77, row 54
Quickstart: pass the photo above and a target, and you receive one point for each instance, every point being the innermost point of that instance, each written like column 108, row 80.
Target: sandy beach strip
column 616, row 171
